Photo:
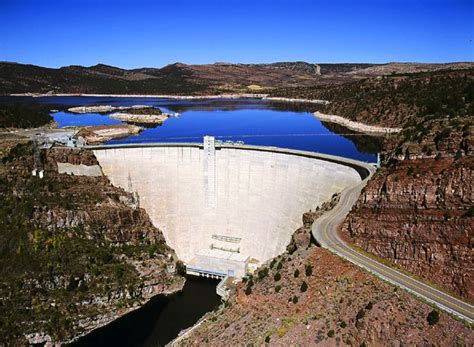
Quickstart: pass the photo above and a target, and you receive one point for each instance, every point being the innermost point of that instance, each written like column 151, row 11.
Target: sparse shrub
column 263, row 273
column 343, row 325
column 267, row 338
column 279, row 266
column 308, row 270
column 277, row 277
column 291, row 248
column 447, row 215
column 360, row 314
column 369, row 306
column 277, row 288
column 296, row 273
column 281, row 331
column 469, row 213
column 331, row 333
column 303, row 287
column 248, row 290
column 433, row 317
column 180, row 268
column 295, row 299
column 363, row 344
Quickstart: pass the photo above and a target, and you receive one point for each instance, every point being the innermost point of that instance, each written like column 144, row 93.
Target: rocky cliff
column 417, row 211
column 75, row 253
column 419, row 215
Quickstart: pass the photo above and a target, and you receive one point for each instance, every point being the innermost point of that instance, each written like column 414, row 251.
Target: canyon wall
column 418, row 215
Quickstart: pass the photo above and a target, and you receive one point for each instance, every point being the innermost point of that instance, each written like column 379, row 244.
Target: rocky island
column 142, row 116
column 102, row 133
column 104, row 108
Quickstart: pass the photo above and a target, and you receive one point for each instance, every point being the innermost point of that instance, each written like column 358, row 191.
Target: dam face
column 230, row 202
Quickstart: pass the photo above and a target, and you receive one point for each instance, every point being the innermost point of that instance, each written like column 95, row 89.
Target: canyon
column 78, row 251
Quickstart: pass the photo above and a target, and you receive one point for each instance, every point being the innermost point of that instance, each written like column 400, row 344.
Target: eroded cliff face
column 75, row 253
column 419, row 216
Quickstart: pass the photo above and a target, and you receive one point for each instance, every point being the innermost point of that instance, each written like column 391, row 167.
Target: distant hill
column 181, row 78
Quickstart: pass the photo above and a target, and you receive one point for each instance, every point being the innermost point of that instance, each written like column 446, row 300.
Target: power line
column 147, row 139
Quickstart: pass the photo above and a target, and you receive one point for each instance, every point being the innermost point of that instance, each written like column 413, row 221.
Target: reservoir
column 253, row 121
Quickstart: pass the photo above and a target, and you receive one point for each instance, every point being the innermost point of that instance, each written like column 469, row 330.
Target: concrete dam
column 225, row 209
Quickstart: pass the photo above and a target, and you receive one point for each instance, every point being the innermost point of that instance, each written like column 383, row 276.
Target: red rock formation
column 418, row 215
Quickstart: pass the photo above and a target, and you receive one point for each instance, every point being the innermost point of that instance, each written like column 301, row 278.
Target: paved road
column 325, row 229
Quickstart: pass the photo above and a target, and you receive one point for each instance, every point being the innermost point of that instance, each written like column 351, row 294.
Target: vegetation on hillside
column 20, row 116
column 396, row 100
column 69, row 250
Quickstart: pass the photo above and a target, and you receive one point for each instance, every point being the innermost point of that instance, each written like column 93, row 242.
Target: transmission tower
column 38, row 169
column 135, row 197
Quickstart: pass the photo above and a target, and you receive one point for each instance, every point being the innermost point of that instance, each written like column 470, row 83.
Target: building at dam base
column 225, row 210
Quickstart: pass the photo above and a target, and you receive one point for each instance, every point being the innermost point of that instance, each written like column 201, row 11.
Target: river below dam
column 160, row 320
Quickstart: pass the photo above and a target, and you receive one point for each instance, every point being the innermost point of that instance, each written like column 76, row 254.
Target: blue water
column 65, row 119
column 253, row 121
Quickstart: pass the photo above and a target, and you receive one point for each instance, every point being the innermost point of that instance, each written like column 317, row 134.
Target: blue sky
column 139, row 33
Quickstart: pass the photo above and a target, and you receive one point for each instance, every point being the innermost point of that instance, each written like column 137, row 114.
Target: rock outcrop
column 102, row 133
column 418, row 215
column 105, row 108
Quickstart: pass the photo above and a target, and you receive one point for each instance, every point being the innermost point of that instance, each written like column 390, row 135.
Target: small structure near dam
column 225, row 209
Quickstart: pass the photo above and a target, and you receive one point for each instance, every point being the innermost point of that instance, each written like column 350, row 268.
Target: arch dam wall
column 243, row 197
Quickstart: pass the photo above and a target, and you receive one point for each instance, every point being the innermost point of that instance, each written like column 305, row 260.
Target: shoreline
column 182, row 97
column 356, row 126
column 352, row 125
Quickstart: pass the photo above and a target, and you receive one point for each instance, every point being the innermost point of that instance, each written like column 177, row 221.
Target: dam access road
column 325, row 229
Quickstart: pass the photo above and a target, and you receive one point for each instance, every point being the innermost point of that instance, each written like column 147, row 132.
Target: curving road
column 325, row 231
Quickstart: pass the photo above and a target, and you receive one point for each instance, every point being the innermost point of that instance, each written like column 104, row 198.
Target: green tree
column 433, row 317
column 304, row 287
